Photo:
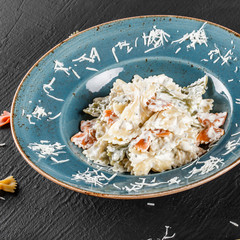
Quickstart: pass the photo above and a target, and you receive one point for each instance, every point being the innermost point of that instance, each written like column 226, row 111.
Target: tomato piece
column 86, row 138
column 212, row 119
column 143, row 144
column 160, row 132
column 210, row 134
column 110, row 117
column 157, row 105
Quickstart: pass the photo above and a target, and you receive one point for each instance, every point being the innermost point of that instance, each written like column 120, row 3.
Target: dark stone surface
column 40, row 209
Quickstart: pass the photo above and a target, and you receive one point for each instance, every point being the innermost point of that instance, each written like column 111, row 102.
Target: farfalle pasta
column 8, row 184
column 149, row 124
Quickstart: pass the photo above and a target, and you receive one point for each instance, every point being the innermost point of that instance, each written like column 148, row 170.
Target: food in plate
column 150, row 124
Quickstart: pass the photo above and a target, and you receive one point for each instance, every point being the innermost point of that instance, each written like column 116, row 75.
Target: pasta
column 150, row 124
column 8, row 184
column 4, row 118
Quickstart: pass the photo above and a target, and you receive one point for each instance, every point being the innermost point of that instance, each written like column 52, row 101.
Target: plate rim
column 103, row 195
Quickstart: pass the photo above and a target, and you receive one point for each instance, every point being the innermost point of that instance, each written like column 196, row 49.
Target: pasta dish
column 150, row 124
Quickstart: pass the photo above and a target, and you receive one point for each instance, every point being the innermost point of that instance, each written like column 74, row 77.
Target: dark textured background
column 41, row 209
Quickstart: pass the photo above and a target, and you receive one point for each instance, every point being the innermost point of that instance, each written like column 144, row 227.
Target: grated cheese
column 196, row 37
column 45, row 149
column 204, row 60
column 23, row 112
column 178, row 50
column 91, row 69
column 174, row 180
column 237, row 101
column 2, row 198
column 236, row 70
column 216, row 52
column 39, row 112
column 135, row 43
column 166, row 234
column 235, row 134
column 93, row 55
column 236, row 124
column 93, row 177
column 116, row 186
column 52, row 118
column 191, row 163
column 58, row 161
column 29, row 116
column 151, row 204
column 48, row 87
column 154, row 180
column 29, row 101
column 114, row 54
column 59, row 66
column 139, row 185
column 120, row 45
column 75, row 73
column 231, row 145
column 156, row 37
column 208, row 166
column 230, row 80
column 2, row 144
column 233, row 223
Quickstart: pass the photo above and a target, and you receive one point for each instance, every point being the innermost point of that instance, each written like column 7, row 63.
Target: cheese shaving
column 58, row 161
column 45, row 149
column 52, row 118
column 156, row 38
column 135, row 43
column 116, row 186
column 75, row 73
column 151, row 204
column 233, row 223
column 121, row 45
column 114, row 54
column 231, row 145
column 47, row 88
column 93, row 55
column 59, row 66
column 166, row 233
column 39, row 112
column 93, row 177
column 237, row 101
column 196, row 37
column 91, row 69
column 139, row 185
column 29, row 116
column 209, row 165
column 178, row 50
column 216, row 52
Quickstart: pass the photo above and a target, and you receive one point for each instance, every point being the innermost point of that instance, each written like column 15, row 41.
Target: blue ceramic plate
column 48, row 104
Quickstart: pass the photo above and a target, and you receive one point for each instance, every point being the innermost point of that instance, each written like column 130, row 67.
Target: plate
column 47, row 107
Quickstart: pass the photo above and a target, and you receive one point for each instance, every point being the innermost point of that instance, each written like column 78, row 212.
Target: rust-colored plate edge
column 113, row 196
